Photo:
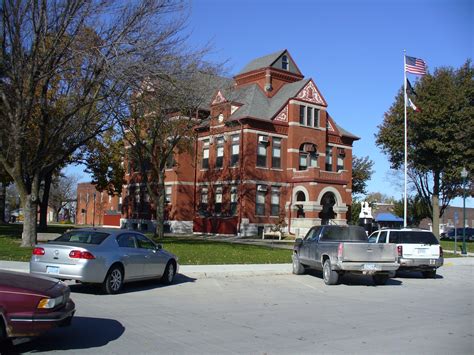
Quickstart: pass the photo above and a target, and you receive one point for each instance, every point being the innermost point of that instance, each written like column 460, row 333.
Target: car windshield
column 413, row 237
column 344, row 234
column 86, row 237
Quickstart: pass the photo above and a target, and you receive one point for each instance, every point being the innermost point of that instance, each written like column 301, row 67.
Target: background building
column 268, row 154
column 97, row 208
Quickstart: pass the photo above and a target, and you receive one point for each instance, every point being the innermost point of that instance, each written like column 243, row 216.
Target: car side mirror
column 298, row 241
column 159, row 247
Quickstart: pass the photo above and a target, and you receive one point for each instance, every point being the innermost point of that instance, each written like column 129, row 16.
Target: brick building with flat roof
column 268, row 152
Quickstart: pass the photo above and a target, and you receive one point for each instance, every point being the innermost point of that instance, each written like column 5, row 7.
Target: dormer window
column 284, row 62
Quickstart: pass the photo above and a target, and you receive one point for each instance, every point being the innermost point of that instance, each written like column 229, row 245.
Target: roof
column 262, row 62
column 255, row 104
column 387, row 217
column 346, row 133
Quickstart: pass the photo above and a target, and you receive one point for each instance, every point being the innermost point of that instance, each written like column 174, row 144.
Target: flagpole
column 405, row 132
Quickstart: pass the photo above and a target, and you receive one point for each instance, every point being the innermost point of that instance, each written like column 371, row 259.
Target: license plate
column 421, row 251
column 370, row 267
column 52, row 269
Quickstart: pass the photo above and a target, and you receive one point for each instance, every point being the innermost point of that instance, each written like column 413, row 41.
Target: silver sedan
column 109, row 257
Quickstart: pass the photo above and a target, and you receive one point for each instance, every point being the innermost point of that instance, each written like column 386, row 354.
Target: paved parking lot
column 273, row 314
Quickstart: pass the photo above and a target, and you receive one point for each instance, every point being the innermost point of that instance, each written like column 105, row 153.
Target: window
column 313, row 159
column 302, row 115
column 260, row 200
column 110, row 198
column 275, row 202
column 284, row 62
column 233, row 200
column 205, row 154
column 276, row 153
column 234, row 157
column 204, row 199
column 308, row 156
column 316, row 118
column 86, row 237
column 126, row 241
column 144, row 242
column 218, row 201
column 340, row 159
column 262, row 151
column 303, row 165
column 120, row 203
column 309, row 116
column 168, row 191
column 383, row 237
column 220, row 152
column 328, row 158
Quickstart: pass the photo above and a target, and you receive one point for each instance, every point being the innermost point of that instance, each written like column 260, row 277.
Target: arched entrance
column 300, row 197
column 327, row 202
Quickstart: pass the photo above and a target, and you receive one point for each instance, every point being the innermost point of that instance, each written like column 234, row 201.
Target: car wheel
column 113, row 281
column 169, row 273
column 380, row 279
column 298, row 268
column 330, row 276
column 431, row 274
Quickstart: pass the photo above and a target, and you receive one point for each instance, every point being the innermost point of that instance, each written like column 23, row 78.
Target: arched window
column 308, row 156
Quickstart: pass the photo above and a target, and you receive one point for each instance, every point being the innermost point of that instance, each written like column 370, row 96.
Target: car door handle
column 126, row 256
column 147, row 256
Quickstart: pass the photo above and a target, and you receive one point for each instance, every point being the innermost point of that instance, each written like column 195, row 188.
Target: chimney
column 268, row 81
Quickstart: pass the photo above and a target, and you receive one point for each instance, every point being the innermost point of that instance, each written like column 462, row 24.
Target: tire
column 430, row 274
column 330, row 276
column 168, row 275
column 298, row 268
column 113, row 281
column 380, row 279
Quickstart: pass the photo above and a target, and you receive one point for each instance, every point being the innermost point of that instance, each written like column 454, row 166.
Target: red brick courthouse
column 268, row 152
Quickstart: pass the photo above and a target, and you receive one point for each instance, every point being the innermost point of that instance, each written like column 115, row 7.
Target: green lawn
column 449, row 245
column 190, row 251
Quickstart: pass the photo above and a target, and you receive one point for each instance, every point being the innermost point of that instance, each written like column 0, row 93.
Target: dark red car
column 30, row 305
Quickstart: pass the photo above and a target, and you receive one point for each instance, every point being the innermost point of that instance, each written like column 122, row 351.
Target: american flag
column 415, row 66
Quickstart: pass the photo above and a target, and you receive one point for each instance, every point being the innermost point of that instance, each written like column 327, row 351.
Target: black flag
column 410, row 90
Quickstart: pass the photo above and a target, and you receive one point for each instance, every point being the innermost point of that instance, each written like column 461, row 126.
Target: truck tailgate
column 371, row 252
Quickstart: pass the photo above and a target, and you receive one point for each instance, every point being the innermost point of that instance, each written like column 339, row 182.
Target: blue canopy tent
column 387, row 219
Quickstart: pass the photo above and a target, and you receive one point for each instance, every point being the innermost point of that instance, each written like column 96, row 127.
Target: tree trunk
column 160, row 206
column 30, row 213
column 43, row 222
column 435, row 204
column 3, row 194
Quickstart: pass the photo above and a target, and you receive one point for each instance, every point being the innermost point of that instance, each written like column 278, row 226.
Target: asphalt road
column 273, row 314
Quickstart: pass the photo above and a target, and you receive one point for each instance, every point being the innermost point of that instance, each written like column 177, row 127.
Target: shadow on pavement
column 355, row 279
column 414, row 275
column 130, row 287
column 84, row 333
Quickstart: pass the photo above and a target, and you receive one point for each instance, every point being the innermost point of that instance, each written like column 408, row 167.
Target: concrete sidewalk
column 193, row 270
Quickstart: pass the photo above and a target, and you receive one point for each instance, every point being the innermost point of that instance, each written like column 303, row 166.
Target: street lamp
column 93, row 213
column 464, row 176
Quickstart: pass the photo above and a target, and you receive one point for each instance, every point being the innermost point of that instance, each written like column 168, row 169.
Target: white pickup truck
column 417, row 249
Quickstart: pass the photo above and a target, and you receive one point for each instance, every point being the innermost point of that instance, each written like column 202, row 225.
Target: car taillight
column 440, row 251
column 38, row 251
column 77, row 254
column 340, row 249
column 400, row 250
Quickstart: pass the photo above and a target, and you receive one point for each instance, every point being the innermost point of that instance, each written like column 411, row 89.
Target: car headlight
column 48, row 303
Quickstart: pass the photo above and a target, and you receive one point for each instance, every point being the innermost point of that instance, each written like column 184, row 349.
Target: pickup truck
column 343, row 249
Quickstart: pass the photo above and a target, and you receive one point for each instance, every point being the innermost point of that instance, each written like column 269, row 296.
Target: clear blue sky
column 352, row 49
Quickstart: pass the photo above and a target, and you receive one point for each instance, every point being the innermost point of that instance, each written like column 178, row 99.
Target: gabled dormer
column 270, row 72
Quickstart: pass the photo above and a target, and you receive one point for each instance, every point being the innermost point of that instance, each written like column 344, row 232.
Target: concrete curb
column 208, row 271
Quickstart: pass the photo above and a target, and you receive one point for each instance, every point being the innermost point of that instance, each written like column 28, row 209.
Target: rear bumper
column 22, row 325
column 366, row 267
column 92, row 272
column 420, row 264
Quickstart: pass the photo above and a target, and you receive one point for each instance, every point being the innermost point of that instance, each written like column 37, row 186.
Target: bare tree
column 163, row 115
column 64, row 69
column 63, row 191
